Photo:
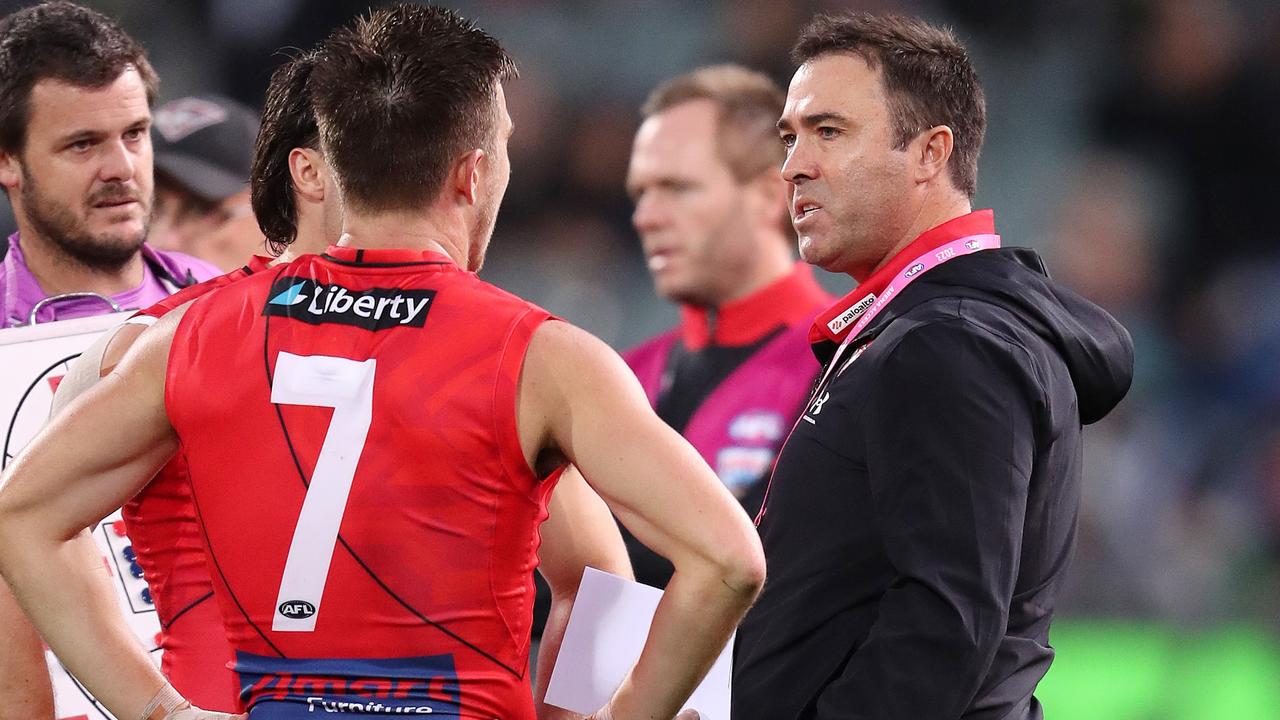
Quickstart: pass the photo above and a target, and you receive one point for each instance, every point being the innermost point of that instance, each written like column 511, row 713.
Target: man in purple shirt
column 75, row 161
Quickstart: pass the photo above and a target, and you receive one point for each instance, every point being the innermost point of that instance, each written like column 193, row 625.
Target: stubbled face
column 689, row 206
column 851, row 191
column 497, row 174
column 84, row 178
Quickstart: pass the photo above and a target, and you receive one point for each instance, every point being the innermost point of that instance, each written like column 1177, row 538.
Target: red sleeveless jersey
column 350, row 425
column 161, row 524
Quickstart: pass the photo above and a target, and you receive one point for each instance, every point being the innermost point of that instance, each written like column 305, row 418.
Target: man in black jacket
column 921, row 515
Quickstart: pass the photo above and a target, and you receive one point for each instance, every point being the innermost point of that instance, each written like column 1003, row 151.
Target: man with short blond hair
column 711, row 214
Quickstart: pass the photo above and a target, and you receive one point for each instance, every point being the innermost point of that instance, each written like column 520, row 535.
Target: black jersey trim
column 360, row 253
column 195, row 501
column 190, row 606
column 302, row 475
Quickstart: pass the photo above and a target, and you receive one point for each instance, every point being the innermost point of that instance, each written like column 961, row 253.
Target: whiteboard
column 32, row 361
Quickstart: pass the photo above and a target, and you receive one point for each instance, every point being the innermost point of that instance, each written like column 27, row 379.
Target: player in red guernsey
column 370, row 460
column 453, row 606
column 289, row 197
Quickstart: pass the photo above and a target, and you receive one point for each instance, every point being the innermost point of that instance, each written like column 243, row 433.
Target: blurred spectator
column 1199, row 100
column 203, row 146
column 1104, row 243
column 1184, row 498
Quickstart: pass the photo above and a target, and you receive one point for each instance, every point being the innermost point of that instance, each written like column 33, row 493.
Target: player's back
column 349, row 420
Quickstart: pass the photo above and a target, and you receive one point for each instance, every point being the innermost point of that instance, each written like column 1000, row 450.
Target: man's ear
column 10, row 171
column 466, row 175
column 932, row 151
column 768, row 200
column 308, row 168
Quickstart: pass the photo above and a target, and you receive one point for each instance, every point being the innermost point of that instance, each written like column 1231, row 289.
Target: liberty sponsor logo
column 847, row 317
column 914, row 270
column 372, row 309
column 297, row 609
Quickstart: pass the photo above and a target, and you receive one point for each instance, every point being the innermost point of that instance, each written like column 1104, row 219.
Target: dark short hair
column 65, row 42
column 287, row 123
column 399, row 97
column 928, row 78
column 748, row 104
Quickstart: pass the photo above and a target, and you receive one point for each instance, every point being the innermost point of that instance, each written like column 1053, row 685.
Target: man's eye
column 81, row 145
column 135, row 134
column 828, row 133
column 788, row 140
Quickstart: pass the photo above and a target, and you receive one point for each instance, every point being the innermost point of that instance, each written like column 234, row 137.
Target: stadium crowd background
column 1135, row 143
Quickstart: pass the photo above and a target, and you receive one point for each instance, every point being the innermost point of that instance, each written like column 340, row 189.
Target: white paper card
column 606, row 632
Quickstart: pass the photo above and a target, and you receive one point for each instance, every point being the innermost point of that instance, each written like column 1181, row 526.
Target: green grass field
column 1134, row 671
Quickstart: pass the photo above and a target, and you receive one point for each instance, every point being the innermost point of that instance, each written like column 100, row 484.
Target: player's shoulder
column 568, row 351
column 226, row 297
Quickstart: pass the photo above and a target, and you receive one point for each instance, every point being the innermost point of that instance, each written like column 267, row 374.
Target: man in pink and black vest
column 711, row 212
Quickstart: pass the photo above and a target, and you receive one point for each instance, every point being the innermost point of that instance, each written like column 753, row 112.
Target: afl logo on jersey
column 297, row 609
column 914, row 270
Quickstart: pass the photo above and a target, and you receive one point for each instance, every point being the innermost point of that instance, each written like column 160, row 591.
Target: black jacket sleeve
column 949, row 433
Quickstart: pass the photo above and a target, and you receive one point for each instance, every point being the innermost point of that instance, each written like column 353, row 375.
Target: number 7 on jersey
column 347, row 387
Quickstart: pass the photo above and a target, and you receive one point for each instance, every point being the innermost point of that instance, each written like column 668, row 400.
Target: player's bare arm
column 579, row 532
column 25, row 685
column 577, row 396
column 24, row 678
column 91, row 458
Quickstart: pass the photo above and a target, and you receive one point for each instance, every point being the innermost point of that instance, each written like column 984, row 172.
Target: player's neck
column 306, row 242
column 57, row 272
column 405, row 230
